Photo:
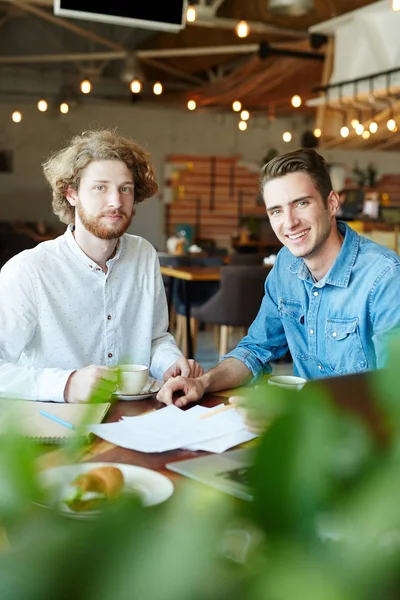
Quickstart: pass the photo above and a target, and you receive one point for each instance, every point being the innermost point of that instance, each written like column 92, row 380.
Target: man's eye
column 302, row 203
column 274, row 213
column 99, row 187
column 127, row 190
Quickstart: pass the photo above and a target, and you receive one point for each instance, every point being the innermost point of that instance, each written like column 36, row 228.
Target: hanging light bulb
column 365, row 134
column 42, row 105
column 317, row 132
column 245, row 115
column 391, row 125
column 242, row 125
column 135, row 86
column 64, row 108
column 344, row 131
column 354, row 123
column 296, row 101
column 242, row 29
column 191, row 14
column 373, row 127
column 191, row 104
column 395, row 5
column 237, row 106
column 16, row 116
column 287, row 136
column 86, row 86
column 359, row 129
column 157, row 88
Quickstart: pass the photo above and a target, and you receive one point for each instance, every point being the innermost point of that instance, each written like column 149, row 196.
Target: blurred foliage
column 323, row 525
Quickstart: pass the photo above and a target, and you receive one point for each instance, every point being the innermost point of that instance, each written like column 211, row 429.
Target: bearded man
column 73, row 308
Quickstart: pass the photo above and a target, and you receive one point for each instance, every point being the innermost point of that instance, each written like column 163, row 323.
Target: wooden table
column 350, row 392
column 188, row 275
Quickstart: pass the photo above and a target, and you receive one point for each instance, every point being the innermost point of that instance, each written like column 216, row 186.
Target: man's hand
column 93, row 382
column 190, row 390
column 185, row 367
column 254, row 421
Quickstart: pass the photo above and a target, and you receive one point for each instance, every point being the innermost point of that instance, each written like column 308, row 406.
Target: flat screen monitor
column 163, row 16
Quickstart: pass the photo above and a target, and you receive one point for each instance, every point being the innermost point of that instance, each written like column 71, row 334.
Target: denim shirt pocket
column 344, row 349
column 292, row 314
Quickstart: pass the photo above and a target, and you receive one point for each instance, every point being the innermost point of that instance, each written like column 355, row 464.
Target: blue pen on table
column 57, row 419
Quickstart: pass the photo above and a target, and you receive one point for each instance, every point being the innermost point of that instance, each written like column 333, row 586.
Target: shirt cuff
column 251, row 362
column 51, row 384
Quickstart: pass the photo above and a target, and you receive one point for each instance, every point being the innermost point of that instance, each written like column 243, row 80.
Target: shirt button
column 91, row 266
column 334, row 334
column 108, row 317
column 109, row 355
column 320, row 367
column 315, row 293
column 311, row 331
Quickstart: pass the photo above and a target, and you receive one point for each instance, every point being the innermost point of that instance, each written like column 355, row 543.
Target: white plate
column 152, row 387
column 153, row 488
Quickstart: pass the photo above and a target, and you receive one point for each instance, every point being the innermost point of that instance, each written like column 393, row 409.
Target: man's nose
column 114, row 198
column 291, row 219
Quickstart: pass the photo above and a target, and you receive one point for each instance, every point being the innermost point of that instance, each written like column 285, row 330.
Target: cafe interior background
column 305, row 73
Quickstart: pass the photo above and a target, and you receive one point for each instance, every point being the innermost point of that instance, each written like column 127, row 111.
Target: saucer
column 152, row 387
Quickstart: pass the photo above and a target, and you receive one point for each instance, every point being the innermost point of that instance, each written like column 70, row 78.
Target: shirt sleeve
column 266, row 339
column 18, row 323
column 164, row 351
column 384, row 311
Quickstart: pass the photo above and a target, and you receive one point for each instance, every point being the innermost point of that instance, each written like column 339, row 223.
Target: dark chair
column 237, row 302
column 246, row 259
column 12, row 243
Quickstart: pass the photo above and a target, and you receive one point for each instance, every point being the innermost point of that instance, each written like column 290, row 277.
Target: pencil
column 211, row 413
column 57, row 419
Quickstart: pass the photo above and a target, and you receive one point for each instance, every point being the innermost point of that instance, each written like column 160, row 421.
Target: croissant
column 95, row 487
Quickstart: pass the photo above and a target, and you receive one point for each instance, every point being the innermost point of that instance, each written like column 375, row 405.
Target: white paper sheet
column 171, row 428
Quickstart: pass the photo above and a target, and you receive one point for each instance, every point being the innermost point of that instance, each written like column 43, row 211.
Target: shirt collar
column 79, row 253
column 339, row 273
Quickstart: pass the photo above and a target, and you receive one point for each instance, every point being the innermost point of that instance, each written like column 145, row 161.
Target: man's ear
column 333, row 203
column 71, row 195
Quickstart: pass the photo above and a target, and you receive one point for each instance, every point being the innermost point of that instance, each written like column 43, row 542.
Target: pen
column 57, row 419
column 216, row 411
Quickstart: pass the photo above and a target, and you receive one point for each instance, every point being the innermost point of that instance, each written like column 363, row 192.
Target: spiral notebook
column 24, row 417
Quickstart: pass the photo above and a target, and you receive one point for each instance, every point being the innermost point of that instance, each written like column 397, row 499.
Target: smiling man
column 73, row 308
column 331, row 297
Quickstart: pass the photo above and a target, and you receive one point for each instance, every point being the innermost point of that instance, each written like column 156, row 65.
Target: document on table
column 171, row 428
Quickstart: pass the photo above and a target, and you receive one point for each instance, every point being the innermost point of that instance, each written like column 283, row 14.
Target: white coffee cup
column 289, row 382
column 133, row 378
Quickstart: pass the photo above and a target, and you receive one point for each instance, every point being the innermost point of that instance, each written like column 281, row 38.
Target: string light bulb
column 191, row 104
column 317, row 132
column 191, row 14
column 365, row 134
column 287, row 136
column 296, row 101
column 395, row 5
column 391, row 125
column 242, row 29
column 242, row 125
column 354, row 123
column 64, row 108
column 373, row 127
column 359, row 129
column 86, row 86
column 245, row 115
column 157, row 88
column 344, row 131
column 42, row 105
column 16, row 116
column 237, row 106
column 135, row 86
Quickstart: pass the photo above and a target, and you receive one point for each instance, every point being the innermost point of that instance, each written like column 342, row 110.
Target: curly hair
column 305, row 160
column 63, row 168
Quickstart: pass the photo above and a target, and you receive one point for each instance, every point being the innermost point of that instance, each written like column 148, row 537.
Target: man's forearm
column 227, row 374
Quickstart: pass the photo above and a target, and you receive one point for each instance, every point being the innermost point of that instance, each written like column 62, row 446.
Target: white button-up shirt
column 59, row 312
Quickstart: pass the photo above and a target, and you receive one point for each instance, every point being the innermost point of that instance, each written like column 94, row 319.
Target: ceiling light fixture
column 86, row 86
column 135, row 86
column 157, row 88
column 287, row 136
column 296, row 101
column 245, row 115
column 242, row 125
column 191, row 104
column 16, row 116
column 237, row 106
column 191, row 14
column 395, row 5
column 242, row 29
column 317, row 132
column 64, row 108
column 42, row 105
column 365, row 134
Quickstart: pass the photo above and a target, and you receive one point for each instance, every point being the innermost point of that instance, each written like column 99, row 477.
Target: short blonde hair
column 64, row 167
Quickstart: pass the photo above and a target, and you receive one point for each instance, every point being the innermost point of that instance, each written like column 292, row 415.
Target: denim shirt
column 335, row 326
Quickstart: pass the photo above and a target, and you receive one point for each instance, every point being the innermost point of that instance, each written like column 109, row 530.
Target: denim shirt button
column 311, row 331
column 334, row 334
column 320, row 367
column 315, row 293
